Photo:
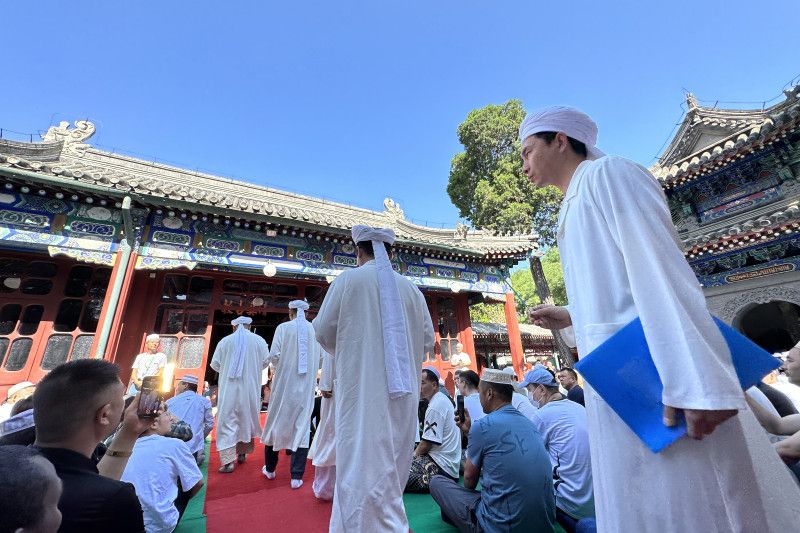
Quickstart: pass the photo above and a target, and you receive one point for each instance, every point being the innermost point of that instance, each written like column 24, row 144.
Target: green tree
column 525, row 289
column 490, row 190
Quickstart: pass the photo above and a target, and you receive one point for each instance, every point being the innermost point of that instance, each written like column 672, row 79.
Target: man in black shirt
column 77, row 405
column 569, row 380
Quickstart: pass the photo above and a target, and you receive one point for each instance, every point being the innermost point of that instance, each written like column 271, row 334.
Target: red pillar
column 514, row 338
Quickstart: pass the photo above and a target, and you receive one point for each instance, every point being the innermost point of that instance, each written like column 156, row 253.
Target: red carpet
column 247, row 501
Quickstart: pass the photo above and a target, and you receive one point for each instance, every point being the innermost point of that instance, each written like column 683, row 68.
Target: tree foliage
column 486, row 182
column 522, row 281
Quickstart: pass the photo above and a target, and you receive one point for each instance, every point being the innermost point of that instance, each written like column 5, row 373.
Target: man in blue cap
column 562, row 425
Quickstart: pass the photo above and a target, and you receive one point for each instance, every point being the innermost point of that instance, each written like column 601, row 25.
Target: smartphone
column 149, row 398
column 460, row 407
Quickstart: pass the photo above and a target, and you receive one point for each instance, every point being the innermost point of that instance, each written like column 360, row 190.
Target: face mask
column 533, row 400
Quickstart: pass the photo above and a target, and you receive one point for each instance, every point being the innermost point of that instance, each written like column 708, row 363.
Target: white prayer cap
column 188, row 378
column 397, row 356
column 298, row 304
column 153, row 337
column 22, row 385
column 492, row 375
column 363, row 233
column 435, row 372
column 302, row 334
column 567, row 120
column 241, row 320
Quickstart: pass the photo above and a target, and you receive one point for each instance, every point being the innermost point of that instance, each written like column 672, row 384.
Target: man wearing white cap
column 376, row 325
column 239, row 358
column 295, row 354
column 506, row 455
column 195, row 410
column 151, row 362
column 622, row 258
column 17, row 392
column 520, row 401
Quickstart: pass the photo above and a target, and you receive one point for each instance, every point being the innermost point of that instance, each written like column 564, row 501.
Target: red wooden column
column 514, row 337
column 465, row 336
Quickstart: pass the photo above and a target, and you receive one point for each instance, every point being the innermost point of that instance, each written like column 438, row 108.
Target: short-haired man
column 29, row 491
column 506, row 455
column 76, row 406
column 150, row 362
column 562, row 425
column 439, row 449
column 195, row 410
column 157, row 466
column 569, row 380
column 468, row 386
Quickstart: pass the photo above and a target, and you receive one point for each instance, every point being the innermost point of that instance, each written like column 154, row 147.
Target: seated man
column 156, row 468
column 76, row 406
column 506, row 455
column 18, row 392
column 562, row 425
column 29, row 492
column 195, row 410
column 439, row 450
column 468, row 386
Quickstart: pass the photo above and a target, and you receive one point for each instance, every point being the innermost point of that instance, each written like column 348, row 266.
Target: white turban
column 153, row 337
column 239, row 346
column 397, row 357
column 302, row 334
column 567, row 120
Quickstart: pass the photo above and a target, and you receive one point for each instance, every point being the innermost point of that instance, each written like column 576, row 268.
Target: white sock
column 268, row 474
column 296, row 483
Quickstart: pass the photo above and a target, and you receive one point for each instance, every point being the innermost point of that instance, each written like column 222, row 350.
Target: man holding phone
column 439, row 449
column 151, row 362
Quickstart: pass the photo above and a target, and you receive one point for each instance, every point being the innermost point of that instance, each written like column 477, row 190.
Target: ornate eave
column 172, row 187
column 710, row 138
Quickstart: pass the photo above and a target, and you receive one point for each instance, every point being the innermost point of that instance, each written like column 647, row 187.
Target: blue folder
column 622, row 372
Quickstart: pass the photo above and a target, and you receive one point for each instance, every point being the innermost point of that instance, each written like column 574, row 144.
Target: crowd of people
column 500, row 454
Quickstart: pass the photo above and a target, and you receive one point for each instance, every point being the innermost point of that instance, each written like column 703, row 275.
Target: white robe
column 239, row 401
column 323, row 449
column 622, row 258
column 291, row 401
column 374, row 436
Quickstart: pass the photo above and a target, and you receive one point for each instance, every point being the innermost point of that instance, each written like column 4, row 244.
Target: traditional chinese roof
column 491, row 329
column 709, row 137
column 64, row 159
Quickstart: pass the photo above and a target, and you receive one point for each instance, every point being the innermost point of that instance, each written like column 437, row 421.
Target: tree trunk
column 543, row 290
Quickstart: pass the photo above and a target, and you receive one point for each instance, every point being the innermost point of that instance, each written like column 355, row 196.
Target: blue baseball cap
column 539, row 376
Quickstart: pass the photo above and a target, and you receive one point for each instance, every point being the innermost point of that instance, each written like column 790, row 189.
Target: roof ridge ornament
column 393, row 209
column 73, row 138
column 691, row 101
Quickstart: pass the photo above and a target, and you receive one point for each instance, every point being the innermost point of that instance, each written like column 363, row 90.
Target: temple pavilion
column 99, row 249
column 732, row 178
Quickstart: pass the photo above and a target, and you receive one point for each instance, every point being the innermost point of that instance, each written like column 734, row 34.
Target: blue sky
column 355, row 101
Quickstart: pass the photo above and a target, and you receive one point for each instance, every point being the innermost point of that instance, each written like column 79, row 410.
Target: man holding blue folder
column 622, row 260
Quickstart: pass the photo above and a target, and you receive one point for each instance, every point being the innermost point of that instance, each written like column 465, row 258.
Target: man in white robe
column 376, row 324
column 295, row 354
column 622, row 259
column 323, row 450
column 239, row 358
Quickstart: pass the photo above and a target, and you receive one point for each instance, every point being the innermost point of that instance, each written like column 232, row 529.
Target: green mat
column 193, row 519
column 424, row 515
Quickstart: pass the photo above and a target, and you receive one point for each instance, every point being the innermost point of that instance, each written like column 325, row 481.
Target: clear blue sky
column 356, row 101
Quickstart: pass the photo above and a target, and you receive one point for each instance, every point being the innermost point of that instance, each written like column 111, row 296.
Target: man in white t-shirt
column 439, row 450
column 468, row 386
column 156, row 466
column 460, row 359
column 148, row 363
column 195, row 410
column 562, row 425
column 520, row 401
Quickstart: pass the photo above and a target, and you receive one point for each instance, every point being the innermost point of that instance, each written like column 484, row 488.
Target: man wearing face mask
column 562, row 425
